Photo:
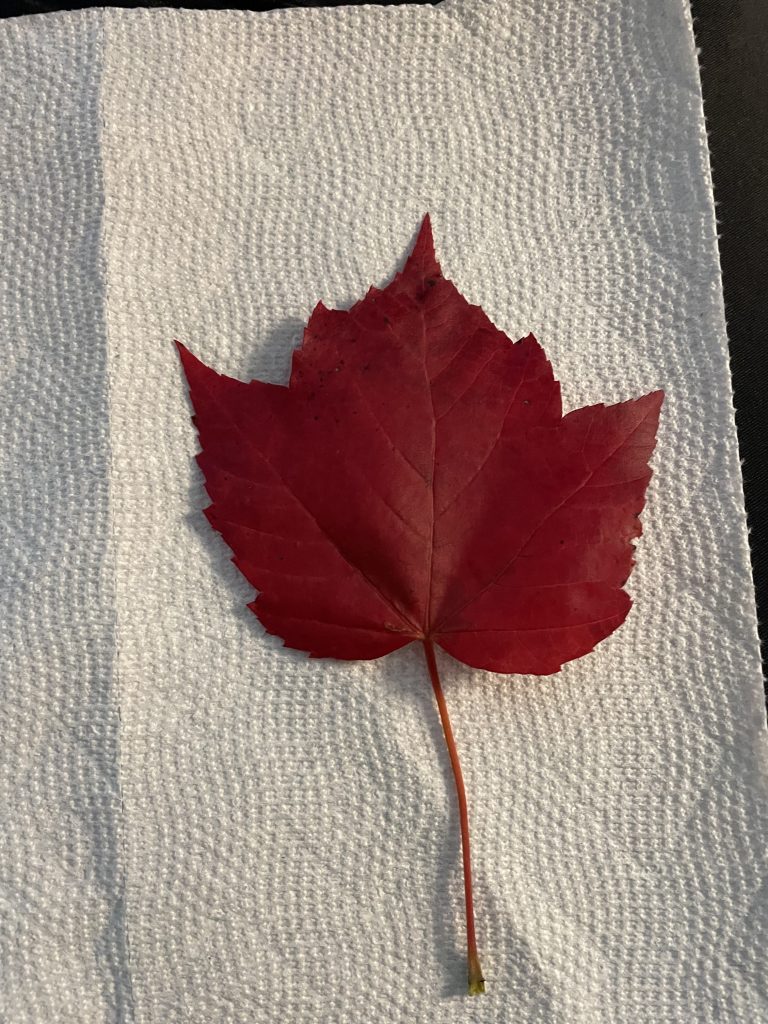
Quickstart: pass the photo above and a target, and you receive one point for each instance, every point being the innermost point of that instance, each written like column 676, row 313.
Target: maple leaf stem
column 476, row 981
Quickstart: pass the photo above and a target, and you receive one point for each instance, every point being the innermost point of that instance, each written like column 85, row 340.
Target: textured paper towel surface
column 201, row 826
column 62, row 933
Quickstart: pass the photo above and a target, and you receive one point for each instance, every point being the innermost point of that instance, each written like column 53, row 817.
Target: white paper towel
column 201, row 826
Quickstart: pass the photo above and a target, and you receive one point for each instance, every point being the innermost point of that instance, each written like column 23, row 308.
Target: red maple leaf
column 417, row 480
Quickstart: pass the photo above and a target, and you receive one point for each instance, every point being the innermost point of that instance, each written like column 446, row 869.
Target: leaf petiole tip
column 476, row 979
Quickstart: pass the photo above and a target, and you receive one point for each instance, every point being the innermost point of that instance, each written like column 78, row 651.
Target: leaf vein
column 387, row 600
column 544, row 520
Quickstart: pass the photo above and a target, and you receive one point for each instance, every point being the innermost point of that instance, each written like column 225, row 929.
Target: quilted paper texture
column 288, row 842
column 62, row 927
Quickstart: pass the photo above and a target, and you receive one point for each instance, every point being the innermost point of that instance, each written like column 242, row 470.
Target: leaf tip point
column 652, row 399
column 530, row 339
column 186, row 357
column 425, row 243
